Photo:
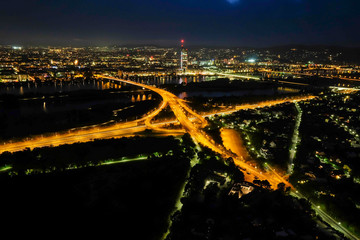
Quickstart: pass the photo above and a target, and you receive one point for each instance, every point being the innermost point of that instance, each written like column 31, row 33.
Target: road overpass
column 85, row 134
column 190, row 121
column 182, row 113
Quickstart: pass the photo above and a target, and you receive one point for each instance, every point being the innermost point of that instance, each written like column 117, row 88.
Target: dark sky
column 163, row 22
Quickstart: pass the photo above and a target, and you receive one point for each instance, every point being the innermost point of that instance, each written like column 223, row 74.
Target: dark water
column 48, row 106
column 239, row 93
column 57, row 97
column 52, row 87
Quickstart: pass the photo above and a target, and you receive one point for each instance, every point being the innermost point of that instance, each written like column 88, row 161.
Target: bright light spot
column 251, row 60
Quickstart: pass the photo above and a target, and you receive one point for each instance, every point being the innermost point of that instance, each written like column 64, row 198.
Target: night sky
column 255, row 23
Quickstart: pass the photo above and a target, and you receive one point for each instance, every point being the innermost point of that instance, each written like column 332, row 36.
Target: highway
column 121, row 129
column 190, row 121
column 261, row 105
column 57, row 139
column 299, row 75
column 181, row 111
column 274, row 178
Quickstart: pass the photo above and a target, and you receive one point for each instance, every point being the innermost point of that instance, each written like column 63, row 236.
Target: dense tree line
column 130, row 199
column 87, row 154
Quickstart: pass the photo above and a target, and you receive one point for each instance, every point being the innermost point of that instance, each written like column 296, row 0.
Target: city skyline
column 260, row 23
column 180, row 120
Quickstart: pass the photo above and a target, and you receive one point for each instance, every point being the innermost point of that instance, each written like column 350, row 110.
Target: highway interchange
column 190, row 121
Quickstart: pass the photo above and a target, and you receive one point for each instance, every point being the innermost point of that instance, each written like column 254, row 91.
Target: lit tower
column 183, row 57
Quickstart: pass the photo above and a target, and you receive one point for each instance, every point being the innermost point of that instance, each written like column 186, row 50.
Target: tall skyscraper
column 183, row 57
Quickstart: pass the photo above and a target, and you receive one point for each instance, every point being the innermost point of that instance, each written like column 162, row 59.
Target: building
column 183, row 57
column 240, row 189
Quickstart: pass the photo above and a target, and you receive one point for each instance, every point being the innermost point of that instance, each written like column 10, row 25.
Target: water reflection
column 44, row 107
column 52, row 87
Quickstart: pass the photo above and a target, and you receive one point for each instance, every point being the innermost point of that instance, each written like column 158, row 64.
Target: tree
column 281, row 187
column 230, row 162
column 187, row 140
column 266, row 184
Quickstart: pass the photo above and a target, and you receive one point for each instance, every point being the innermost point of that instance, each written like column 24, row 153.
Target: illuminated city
column 148, row 133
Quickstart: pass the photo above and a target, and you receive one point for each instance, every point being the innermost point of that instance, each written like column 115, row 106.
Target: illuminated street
column 181, row 120
column 327, row 218
column 191, row 123
column 295, row 140
column 180, row 110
